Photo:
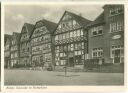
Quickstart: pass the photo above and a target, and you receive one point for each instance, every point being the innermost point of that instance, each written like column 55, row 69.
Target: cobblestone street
column 31, row 77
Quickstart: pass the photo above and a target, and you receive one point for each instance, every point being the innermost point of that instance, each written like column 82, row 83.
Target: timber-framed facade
column 71, row 40
column 41, row 43
column 15, row 49
column 25, row 48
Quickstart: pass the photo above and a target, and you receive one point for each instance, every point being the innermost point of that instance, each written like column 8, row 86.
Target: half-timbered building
column 41, row 43
column 15, row 49
column 7, row 50
column 25, row 47
column 71, row 40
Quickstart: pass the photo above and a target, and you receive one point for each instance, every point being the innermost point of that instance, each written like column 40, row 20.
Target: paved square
column 31, row 77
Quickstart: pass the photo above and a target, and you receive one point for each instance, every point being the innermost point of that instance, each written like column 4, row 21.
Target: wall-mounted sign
column 116, row 37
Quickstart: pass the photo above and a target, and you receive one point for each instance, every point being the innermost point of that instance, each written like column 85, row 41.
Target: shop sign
column 116, row 37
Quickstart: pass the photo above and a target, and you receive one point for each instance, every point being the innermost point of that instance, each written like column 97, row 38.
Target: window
column 69, row 47
column 60, row 37
column 67, row 35
column 74, row 22
column 75, row 33
column 65, row 48
column 100, row 30
column 116, row 11
column 70, row 23
column 79, row 52
column 120, row 10
column 64, row 36
column 61, row 48
column 71, row 34
column 82, row 45
column 116, row 26
column 97, row 52
column 119, row 26
column 78, row 32
column 13, row 42
column 94, row 33
column 82, row 33
column 72, row 47
column 112, row 27
column 61, row 54
column 79, row 45
column 16, row 55
column 97, row 30
column 57, row 37
column 76, row 46
column 119, row 48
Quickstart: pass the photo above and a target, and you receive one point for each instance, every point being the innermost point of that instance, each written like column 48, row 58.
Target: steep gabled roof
column 49, row 25
column 7, row 37
column 81, row 20
column 29, row 27
column 98, row 20
column 17, row 36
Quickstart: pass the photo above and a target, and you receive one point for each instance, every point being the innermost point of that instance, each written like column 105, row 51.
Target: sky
column 17, row 15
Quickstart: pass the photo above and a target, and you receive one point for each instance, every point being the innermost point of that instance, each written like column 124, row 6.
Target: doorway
column 117, row 56
column 71, row 62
